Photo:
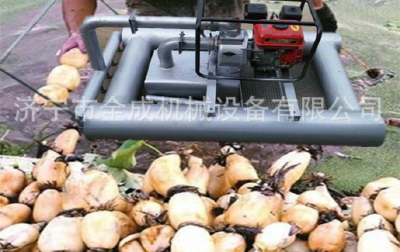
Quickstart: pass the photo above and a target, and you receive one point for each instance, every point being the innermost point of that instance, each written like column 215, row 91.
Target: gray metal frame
column 131, row 73
column 358, row 131
column 89, row 26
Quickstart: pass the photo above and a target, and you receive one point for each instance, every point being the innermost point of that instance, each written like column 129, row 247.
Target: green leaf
column 125, row 179
column 133, row 181
column 124, row 157
column 118, row 174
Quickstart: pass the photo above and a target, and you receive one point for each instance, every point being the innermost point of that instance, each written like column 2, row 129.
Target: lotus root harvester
column 265, row 77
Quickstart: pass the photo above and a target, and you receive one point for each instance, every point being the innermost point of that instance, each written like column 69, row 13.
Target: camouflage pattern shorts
column 214, row 8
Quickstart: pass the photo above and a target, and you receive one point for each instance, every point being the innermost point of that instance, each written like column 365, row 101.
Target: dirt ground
column 33, row 59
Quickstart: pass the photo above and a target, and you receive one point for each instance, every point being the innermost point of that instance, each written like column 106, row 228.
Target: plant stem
column 152, row 148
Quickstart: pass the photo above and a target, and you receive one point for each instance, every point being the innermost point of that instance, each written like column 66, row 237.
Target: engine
column 273, row 47
column 276, row 45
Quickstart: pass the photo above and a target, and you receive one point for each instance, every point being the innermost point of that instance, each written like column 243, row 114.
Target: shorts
column 187, row 8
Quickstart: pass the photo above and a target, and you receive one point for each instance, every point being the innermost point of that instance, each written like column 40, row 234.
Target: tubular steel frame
column 360, row 131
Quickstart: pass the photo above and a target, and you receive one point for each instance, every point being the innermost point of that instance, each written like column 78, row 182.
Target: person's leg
column 226, row 8
column 187, row 8
column 325, row 15
column 327, row 18
column 145, row 8
column 74, row 12
column 131, row 5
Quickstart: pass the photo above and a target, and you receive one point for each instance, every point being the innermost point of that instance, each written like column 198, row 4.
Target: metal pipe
column 166, row 99
column 172, row 122
column 181, row 23
column 89, row 36
column 30, row 26
column 89, row 26
column 155, row 36
column 97, row 78
column 131, row 71
column 327, row 37
column 333, row 77
column 165, row 49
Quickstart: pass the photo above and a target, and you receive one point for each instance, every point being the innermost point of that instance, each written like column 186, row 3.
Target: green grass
column 7, row 148
column 351, row 174
column 9, row 9
column 364, row 31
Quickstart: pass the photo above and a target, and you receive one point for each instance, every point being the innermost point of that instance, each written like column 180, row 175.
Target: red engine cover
column 289, row 38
